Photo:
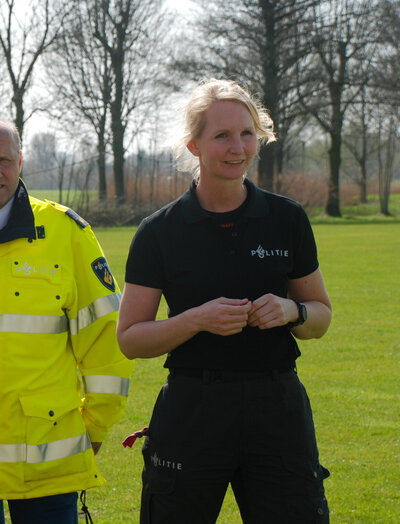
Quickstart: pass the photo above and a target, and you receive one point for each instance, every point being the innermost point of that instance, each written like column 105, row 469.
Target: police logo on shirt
column 103, row 273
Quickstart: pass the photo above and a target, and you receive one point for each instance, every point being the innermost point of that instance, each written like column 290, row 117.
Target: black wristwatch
column 302, row 315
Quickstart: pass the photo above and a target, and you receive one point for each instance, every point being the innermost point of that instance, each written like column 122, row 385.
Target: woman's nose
column 236, row 145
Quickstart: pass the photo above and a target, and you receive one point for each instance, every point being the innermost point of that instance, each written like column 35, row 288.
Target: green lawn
column 352, row 376
column 69, row 198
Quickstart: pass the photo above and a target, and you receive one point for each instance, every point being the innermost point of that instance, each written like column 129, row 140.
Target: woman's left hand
column 270, row 311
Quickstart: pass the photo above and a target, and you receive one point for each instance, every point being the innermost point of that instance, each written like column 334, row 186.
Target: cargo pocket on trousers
column 312, row 510
column 158, row 481
column 308, row 478
column 56, row 437
column 157, row 485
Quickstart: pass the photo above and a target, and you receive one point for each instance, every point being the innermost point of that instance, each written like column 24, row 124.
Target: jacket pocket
column 56, row 438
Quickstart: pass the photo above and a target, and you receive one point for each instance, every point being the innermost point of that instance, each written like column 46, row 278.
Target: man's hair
column 14, row 133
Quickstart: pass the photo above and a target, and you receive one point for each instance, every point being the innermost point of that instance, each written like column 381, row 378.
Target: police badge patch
column 103, row 273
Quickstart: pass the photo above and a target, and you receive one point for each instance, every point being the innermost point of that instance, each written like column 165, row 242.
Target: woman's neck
column 221, row 197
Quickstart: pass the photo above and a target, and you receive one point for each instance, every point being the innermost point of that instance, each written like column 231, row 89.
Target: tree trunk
column 385, row 174
column 364, row 150
column 102, row 169
column 19, row 112
column 117, row 125
column 332, row 207
column 267, row 157
column 363, row 182
column 266, row 167
column 118, row 148
column 61, row 171
column 19, row 118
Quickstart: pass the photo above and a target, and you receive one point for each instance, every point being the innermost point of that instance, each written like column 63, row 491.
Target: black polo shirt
column 195, row 256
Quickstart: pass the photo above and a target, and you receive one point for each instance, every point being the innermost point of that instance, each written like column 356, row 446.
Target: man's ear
column 192, row 146
column 20, row 162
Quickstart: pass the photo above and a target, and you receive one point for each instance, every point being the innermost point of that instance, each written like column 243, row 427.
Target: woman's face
column 228, row 142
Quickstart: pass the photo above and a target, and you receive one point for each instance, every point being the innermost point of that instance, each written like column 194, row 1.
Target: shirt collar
column 21, row 222
column 256, row 207
column 5, row 213
column 192, row 210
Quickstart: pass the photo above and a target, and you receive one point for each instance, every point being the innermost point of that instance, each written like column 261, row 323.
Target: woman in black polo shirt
column 239, row 270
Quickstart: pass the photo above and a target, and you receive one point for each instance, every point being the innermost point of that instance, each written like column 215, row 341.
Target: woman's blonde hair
column 213, row 90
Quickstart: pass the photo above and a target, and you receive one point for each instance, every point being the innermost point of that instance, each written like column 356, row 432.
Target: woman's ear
column 193, row 148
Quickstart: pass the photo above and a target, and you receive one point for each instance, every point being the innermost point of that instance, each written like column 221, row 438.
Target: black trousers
column 255, row 433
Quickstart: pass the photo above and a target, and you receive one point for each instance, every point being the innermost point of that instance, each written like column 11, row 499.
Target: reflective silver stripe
column 45, row 325
column 106, row 384
column 12, row 452
column 44, row 452
column 58, row 449
column 97, row 309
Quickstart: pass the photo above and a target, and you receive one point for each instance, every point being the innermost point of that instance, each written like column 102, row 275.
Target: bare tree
column 252, row 41
column 39, row 161
column 79, row 72
column 377, row 99
column 387, row 141
column 387, row 63
column 23, row 39
column 4, row 91
column 340, row 33
column 129, row 36
column 387, row 73
column 358, row 138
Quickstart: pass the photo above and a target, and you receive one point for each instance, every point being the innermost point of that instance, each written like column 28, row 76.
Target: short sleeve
column 305, row 249
column 144, row 265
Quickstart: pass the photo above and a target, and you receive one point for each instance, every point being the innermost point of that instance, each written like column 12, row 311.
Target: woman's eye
column 247, row 132
column 221, row 135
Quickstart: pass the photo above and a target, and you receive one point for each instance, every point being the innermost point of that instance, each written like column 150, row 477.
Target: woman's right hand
column 141, row 336
column 222, row 316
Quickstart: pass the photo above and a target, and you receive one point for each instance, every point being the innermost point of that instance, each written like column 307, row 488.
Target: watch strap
column 301, row 308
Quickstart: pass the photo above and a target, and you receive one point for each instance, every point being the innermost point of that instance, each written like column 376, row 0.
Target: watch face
column 303, row 313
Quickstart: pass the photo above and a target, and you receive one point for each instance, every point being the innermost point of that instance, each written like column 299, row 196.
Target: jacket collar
column 256, row 207
column 21, row 223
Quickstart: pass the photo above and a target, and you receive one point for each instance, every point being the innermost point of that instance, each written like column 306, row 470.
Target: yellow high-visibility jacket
column 63, row 380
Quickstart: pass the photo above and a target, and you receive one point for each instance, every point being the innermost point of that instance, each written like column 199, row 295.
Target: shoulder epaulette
column 78, row 219
column 71, row 213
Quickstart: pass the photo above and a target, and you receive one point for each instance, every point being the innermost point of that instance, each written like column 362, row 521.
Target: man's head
column 10, row 161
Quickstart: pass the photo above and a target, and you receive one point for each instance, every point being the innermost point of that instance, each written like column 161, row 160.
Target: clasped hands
column 227, row 316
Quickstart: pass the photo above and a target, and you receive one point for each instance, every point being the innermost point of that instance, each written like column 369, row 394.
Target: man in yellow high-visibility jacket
column 63, row 380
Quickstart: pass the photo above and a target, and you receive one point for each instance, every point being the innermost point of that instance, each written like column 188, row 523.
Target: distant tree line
column 103, row 70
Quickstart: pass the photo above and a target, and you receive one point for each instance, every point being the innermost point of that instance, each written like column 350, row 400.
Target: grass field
column 352, row 376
